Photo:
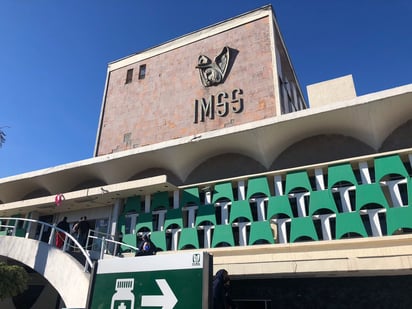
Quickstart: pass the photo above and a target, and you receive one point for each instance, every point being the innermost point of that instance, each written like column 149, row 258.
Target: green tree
column 13, row 280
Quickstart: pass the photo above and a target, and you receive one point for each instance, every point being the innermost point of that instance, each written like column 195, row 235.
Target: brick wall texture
column 161, row 106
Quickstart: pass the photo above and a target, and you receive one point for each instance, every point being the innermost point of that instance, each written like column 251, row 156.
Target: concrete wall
column 161, row 106
column 331, row 91
column 61, row 270
column 374, row 256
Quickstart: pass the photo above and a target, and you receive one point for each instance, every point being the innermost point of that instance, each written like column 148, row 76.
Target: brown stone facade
column 162, row 106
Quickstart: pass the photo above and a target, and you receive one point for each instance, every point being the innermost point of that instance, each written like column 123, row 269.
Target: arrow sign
column 159, row 281
column 167, row 301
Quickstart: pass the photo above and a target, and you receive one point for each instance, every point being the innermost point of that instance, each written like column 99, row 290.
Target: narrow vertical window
column 142, row 71
column 129, row 76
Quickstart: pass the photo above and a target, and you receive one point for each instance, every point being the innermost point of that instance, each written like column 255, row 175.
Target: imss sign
column 168, row 281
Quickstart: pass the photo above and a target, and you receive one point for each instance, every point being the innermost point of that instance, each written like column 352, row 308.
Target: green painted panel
column 185, row 284
column 190, row 196
column 223, row 191
column 257, row 185
column 160, row 200
column 132, row 204
column 178, row 281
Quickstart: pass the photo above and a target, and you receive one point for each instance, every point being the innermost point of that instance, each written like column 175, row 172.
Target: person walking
column 222, row 298
column 83, row 230
column 60, row 236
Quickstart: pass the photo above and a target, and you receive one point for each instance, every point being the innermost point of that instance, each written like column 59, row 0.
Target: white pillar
column 116, row 210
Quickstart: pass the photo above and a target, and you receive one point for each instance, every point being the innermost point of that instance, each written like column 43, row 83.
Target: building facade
column 229, row 74
column 206, row 143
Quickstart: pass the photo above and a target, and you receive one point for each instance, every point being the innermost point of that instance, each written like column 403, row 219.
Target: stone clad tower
column 232, row 73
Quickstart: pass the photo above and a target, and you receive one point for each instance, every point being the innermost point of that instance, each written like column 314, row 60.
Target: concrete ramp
column 62, row 271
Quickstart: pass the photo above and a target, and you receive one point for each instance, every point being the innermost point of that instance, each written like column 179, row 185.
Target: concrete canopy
column 369, row 118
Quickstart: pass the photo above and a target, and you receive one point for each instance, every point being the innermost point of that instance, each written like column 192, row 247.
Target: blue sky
column 54, row 57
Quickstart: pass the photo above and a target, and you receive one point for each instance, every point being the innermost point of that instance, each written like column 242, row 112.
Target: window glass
column 142, row 71
column 129, row 76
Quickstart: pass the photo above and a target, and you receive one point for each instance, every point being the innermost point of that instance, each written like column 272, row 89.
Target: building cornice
column 192, row 37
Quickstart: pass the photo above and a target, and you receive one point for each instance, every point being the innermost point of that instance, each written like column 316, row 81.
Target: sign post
column 167, row 281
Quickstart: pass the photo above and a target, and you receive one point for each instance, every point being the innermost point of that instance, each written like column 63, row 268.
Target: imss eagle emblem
column 214, row 73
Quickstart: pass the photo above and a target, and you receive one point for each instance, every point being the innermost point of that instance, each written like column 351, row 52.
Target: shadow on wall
column 313, row 150
column 224, row 166
column 399, row 138
column 321, row 148
column 151, row 172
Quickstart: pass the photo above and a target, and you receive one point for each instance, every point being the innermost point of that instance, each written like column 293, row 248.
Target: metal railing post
column 41, row 232
column 51, row 237
column 65, row 243
column 102, row 248
column 28, row 230
column 13, row 233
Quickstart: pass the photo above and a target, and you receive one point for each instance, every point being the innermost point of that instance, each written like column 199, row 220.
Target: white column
column 374, row 221
column 224, row 210
column 161, row 221
column 278, row 185
column 191, row 216
column 176, row 199
column 207, row 236
column 282, row 230
column 175, row 238
column 242, row 233
column 393, row 186
column 31, row 229
column 116, row 210
column 325, row 223
column 241, row 190
column 344, row 197
column 208, row 197
column 260, row 205
column 300, row 201
column 320, row 183
column 147, row 203
column 364, row 172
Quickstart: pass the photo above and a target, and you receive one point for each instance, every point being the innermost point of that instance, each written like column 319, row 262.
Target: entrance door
column 101, row 229
column 47, row 230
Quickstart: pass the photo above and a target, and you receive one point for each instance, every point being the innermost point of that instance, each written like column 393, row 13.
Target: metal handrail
column 11, row 231
column 106, row 242
column 106, row 235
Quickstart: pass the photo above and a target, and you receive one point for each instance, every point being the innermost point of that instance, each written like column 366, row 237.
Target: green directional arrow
column 170, row 281
column 167, row 301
